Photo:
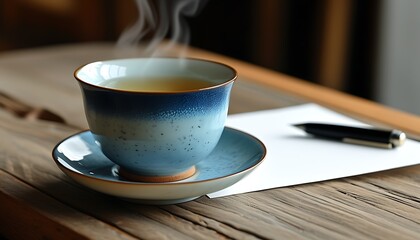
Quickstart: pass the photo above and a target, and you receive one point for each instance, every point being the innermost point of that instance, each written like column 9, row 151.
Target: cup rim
column 231, row 80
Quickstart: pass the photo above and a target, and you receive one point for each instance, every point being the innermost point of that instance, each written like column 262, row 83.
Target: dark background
column 290, row 36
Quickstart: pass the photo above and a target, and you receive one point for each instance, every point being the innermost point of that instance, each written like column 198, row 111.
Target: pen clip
column 368, row 143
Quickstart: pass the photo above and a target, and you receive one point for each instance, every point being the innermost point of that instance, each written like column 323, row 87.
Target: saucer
column 235, row 156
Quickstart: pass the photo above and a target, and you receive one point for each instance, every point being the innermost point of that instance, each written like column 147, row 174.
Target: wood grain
column 38, row 201
column 40, row 178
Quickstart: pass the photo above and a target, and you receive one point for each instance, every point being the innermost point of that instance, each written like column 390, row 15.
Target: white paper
column 294, row 158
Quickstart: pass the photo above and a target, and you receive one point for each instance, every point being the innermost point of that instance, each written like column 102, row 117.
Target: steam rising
column 158, row 20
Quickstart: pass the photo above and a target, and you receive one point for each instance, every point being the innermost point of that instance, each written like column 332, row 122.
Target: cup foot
column 156, row 179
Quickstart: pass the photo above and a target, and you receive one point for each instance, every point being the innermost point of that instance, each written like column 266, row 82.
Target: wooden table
column 38, row 201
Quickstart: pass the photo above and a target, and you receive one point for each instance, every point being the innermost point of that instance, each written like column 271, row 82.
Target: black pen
column 357, row 135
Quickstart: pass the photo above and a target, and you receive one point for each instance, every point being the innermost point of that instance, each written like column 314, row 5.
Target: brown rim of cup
column 232, row 79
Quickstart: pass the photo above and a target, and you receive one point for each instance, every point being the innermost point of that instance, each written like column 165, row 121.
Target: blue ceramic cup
column 153, row 131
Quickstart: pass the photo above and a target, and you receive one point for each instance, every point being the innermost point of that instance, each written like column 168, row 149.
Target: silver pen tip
column 397, row 138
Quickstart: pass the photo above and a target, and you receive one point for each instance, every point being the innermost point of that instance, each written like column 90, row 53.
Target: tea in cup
column 156, row 118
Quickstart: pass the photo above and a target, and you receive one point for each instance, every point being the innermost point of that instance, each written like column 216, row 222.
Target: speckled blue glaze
column 156, row 134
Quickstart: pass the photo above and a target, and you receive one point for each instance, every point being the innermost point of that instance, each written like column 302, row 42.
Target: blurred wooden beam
column 269, row 40
column 334, row 43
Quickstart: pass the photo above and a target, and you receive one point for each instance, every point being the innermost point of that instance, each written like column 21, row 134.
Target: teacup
column 156, row 118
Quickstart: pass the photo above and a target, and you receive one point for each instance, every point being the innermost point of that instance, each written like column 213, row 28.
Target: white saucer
column 236, row 155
